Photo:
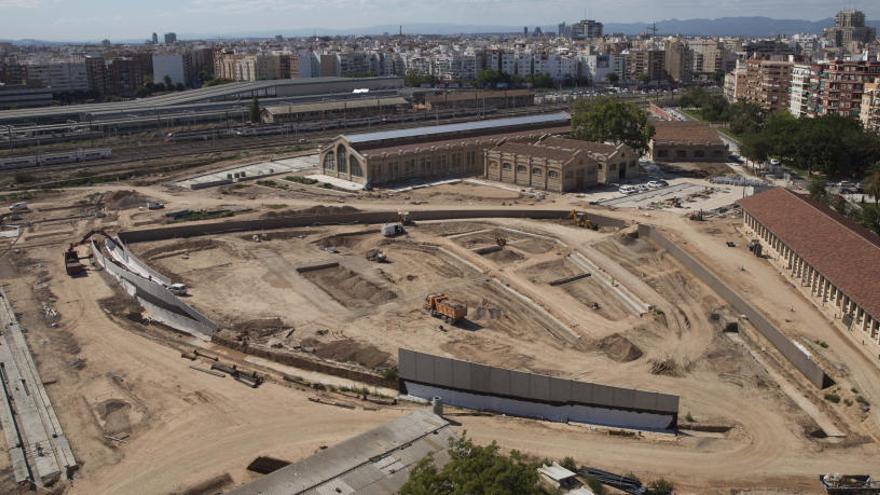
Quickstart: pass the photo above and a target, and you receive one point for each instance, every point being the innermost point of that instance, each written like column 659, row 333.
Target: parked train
column 49, row 159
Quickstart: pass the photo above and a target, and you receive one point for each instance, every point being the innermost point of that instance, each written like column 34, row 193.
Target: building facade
column 687, row 142
column 841, row 85
column 870, row 113
column 769, row 83
column 451, row 150
column 832, row 260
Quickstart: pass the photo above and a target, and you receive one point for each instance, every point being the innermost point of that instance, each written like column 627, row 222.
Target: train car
column 55, row 158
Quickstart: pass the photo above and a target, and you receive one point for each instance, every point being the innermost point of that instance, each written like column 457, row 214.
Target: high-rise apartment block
column 849, row 26
column 769, row 83
column 586, row 29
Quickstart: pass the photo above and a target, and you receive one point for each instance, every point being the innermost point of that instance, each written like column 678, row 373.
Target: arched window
column 553, row 174
column 537, row 172
column 507, row 166
column 521, row 169
column 330, row 161
column 356, row 169
column 341, row 159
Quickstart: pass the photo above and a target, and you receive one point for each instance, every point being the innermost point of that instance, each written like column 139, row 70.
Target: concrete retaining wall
column 226, row 227
column 127, row 259
column 159, row 302
column 483, row 387
column 796, row 356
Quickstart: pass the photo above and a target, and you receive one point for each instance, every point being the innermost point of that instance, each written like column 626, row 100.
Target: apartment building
column 769, row 83
column 735, row 84
column 849, row 26
column 586, row 29
column 60, row 77
column 841, row 84
column 804, row 90
column 710, row 57
column 645, row 64
column 678, row 61
column 870, row 111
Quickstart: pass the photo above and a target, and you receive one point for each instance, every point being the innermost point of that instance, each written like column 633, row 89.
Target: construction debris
column 210, row 372
column 249, row 378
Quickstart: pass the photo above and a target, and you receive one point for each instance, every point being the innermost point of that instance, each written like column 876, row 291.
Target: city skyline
column 90, row 20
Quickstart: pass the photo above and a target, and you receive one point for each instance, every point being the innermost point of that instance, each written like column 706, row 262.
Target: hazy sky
column 129, row 19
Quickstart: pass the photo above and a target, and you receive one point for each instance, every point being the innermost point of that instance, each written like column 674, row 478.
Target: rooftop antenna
column 401, row 30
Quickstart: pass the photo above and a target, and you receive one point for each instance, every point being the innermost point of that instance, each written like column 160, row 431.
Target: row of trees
column 867, row 214
column 474, row 469
column 835, row 146
column 610, row 119
column 741, row 117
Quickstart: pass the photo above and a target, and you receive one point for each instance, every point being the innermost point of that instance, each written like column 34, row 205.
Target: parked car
column 657, row 184
column 627, row 189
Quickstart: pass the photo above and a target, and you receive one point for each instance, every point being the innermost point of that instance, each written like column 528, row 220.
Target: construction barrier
column 377, row 217
column 794, row 354
column 485, row 388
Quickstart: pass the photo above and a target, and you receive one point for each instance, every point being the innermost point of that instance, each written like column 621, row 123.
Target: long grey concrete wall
column 483, row 387
column 158, row 301
column 127, row 259
column 794, row 354
column 226, row 227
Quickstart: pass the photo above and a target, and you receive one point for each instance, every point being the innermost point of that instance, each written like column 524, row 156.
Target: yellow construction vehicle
column 581, row 220
column 440, row 306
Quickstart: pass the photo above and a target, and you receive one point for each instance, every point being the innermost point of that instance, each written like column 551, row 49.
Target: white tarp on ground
column 159, row 303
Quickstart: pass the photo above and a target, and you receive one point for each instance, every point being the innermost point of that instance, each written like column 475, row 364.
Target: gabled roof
column 591, row 147
column 694, row 133
column 844, row 253
column 486, row 126
column 536, row 151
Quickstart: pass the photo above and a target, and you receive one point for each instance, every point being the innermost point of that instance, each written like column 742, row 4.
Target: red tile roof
column 843, row 252
column 577, row 144
column 693, row 133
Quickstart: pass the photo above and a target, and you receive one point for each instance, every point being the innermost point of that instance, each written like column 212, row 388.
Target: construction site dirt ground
column 110, row 376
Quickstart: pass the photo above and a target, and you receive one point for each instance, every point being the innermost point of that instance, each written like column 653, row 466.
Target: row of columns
column 819, row 286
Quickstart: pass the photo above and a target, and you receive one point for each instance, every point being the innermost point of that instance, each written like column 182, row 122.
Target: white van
column 627, row 189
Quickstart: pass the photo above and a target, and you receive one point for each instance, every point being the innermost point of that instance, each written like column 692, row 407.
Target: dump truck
column 393, row 229
column 440, row 306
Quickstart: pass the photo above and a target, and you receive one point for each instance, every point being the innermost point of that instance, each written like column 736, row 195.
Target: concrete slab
column 337, row 182
column 252, row 171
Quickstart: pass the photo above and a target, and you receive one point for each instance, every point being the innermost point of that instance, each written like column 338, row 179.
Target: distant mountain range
column 725, row 26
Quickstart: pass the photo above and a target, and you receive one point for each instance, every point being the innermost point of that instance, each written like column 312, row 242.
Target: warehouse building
column 450, row 150
column 377, row 462
column 479, row 99
column 560, row 164
column 686, row 142
column 830, row 256
column 341, row 109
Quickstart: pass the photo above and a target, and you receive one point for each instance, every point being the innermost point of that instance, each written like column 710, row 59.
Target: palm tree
column 871, row 184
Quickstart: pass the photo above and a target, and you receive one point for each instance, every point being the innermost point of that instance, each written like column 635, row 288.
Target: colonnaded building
column 831, row 258
column 449, row 150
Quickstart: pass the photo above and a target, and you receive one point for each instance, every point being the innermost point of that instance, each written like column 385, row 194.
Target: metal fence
column 795, row 355
column 529, row 394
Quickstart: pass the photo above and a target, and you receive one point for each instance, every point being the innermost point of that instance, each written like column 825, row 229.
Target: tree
column 871, row 184
column 613, row 78
column 255, row 110
column 869, row 216
column 609, row 119
column 817, row 189
column 474, row 469
column 168, row 83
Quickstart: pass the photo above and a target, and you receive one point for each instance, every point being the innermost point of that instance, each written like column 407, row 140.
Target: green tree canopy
column 255, row 110
column 610, row 119
column 474, row 470
column 613, row 78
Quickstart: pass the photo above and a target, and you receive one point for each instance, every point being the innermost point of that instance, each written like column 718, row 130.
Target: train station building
column 430, row 152
column 686, row 142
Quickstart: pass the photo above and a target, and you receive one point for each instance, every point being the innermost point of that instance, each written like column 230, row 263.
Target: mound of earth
column 350, row 351
column 124, row 200
column 619, row 348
